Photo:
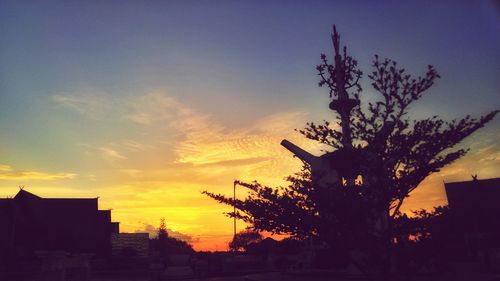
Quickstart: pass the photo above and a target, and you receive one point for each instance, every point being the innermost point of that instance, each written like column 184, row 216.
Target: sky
column 145, row 104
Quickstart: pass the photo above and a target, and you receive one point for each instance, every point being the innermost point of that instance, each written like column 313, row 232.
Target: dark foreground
column 183, row 273
column 225, row 266
column 276, row 276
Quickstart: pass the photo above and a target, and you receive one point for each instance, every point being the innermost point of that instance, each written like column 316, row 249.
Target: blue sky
column 103, row 95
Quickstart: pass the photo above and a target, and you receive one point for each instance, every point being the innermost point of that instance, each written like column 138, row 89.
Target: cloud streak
column 9, row 173
column 111, row 154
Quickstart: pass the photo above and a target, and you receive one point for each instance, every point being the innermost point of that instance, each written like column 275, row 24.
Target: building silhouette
column 475, row 212
column 30, row 223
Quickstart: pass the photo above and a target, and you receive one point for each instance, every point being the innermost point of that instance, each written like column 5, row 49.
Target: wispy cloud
column 111, row 154
column 194, row 137
column 156, row 106
column 93, row 104
column 135, row 146
column 9, row 173
column 206, row 143
column 145, row 109
column 249, row 153
column 140, row 118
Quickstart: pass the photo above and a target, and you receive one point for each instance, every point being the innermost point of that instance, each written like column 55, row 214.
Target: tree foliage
column 243, row 239
column 379, row 144
column 424, row 225
column 162, row 230
column 166, row 245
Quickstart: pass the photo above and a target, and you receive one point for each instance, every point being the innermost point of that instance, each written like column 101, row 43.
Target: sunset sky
column 147, row 103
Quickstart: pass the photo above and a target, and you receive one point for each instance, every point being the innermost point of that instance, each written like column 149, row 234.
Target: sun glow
column 168, row 155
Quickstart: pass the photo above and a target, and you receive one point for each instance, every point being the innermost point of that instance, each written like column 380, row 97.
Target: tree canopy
column 244, row 238
column 380, row 153
column 165, row 245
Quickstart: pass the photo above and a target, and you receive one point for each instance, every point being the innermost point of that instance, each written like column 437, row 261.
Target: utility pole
column 234, row 207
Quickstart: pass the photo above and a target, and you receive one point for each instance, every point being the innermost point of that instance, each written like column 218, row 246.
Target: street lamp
column 234, row 206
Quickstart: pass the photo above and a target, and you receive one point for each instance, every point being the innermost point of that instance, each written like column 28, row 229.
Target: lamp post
column 234, row 207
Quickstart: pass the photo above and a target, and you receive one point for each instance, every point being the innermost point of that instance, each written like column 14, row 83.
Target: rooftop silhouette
column 31, row 223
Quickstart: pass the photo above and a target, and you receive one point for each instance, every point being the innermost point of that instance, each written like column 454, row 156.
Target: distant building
column 475, row 209
column 30, row 223
column 130, row 244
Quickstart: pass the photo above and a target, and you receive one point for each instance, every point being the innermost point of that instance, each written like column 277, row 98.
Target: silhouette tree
column 166, row 245
column 379, row 153
column 243, row 239
column 162, row 230
column 162, row 241
column 430, row 236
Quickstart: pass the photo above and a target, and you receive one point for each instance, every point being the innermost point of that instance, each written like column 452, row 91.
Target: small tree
column 162, row 241
column 244, row 238
column 388, row 154
column 162, row 230
column 166, row 245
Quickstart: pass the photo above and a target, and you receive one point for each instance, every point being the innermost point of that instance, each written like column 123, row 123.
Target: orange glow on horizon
column 174, row 153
